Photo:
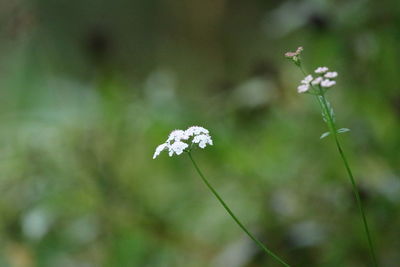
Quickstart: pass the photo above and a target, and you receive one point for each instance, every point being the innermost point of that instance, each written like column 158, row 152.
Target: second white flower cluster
column 176, row 142
column 324, row 79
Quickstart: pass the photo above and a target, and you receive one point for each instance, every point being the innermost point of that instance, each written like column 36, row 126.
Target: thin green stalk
column 350, row 174
column 261, row 245
column 333, row 130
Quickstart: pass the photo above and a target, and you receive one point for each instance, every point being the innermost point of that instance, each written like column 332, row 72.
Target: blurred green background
column 89, row 88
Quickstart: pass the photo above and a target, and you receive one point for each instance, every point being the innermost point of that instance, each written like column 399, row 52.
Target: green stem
column 332, row 128
column 301, row 68
column 261, row 245
column 350, row 174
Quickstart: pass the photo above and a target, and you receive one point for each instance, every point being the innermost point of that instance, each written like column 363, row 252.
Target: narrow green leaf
column 324, row 135
column 343, row 130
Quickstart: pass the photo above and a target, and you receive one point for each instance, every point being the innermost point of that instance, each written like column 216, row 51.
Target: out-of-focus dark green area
column 89, row 88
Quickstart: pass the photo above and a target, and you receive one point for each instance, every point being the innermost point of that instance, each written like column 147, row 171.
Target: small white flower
column 331, row 75
column 195, row 130
column 303, row 88
column 159, row 149
column 177, row 135
column 317, row 81
column 327, row 83
column 177, row 148
column 202, row 140
column 320, row 70
column 307, row 79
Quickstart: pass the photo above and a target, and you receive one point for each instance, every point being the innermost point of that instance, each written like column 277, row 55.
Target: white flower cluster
column 324, row 79
column 175, row 143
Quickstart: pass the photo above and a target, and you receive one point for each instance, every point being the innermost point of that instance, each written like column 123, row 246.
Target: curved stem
column 332, row 128
column 261, row 245
column 359, row 203
column 351, row 177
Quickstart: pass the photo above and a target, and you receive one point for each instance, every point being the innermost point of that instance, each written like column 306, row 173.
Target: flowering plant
column 318, row 86
column 180, row 141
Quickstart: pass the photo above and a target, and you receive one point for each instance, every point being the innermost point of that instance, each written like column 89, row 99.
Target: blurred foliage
column 90, row 88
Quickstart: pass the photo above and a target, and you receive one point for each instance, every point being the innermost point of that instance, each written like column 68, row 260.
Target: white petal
column 331, row 75
column 195, row 130
column 321, row 70
column 202, row 140
column 303, row 88
column 178, row 148
column 327, row 83
column 159, row 149
column 307, row 79
column 317, row 81
column 177, row 135
column 199, row 138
